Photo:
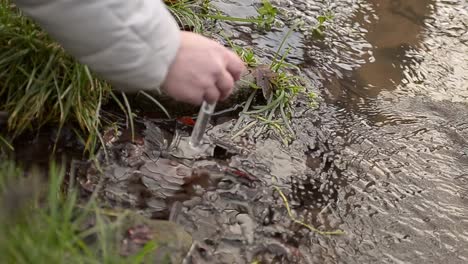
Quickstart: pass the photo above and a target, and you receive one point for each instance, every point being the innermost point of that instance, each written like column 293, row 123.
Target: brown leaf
column 263, row 77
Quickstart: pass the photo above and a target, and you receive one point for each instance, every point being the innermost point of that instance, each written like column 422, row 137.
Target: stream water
column 384, row 158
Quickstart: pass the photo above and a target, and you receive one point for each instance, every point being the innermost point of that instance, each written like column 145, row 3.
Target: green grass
column 41, row 84
column 266, row 15
column 45, row 223
column 188, row 13
column 285, row 86
column 318, row 31
column 246, row 54
column 194, row 15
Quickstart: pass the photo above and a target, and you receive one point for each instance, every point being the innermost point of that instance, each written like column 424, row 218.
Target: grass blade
column 157, row 103
column 130, row 115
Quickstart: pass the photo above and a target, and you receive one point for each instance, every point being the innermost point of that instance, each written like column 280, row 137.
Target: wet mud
column 384, row 158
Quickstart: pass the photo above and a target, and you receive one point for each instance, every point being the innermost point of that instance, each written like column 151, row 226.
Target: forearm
column 131, row 44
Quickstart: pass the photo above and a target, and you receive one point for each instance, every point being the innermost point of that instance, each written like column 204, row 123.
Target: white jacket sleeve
column 129, row 43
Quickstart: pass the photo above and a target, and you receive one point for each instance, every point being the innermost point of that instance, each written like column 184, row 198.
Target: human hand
column 202, row 70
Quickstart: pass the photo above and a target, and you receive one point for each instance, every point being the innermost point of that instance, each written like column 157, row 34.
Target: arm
column 130, row 43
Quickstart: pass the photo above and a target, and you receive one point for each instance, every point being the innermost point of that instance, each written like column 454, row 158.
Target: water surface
column 385, row 158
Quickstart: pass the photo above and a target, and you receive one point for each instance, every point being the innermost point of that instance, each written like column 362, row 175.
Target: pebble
column 248, row 226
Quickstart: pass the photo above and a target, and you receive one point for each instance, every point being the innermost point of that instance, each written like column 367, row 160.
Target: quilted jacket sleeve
column 130, row 43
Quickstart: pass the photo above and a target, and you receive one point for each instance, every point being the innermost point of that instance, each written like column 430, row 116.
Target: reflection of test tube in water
column 204, row 115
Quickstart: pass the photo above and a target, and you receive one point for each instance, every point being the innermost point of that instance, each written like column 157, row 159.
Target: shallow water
column 384, row 158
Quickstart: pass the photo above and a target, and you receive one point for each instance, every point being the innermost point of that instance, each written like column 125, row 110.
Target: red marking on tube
column 186, row 120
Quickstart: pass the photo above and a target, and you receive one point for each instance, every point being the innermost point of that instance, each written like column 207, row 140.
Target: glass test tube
column 204, row 115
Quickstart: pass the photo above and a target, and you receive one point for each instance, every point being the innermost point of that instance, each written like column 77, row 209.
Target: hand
column 202, row 70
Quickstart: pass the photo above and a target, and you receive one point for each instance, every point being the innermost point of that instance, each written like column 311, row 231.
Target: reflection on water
column 397, row 29
column 419, row 48
column 439, row 68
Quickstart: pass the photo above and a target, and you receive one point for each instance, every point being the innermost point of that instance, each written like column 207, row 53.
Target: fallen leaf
column 263, row 76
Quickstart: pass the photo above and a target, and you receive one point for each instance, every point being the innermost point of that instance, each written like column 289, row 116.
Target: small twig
column 285, row 201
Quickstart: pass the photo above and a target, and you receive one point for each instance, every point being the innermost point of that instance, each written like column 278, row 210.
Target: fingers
column 234, row 65
column 202, row 70
column 191, row 96
column 225, row 84
column 212, row 94
column 195, row 99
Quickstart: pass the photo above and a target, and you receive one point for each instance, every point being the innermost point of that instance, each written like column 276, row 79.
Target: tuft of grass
column 44, row 222
column 191, row 14
column 266, row 14
column 318, row 30
column 188, row 13
column 246, row 54
column 43, row 84
column 283, row 88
